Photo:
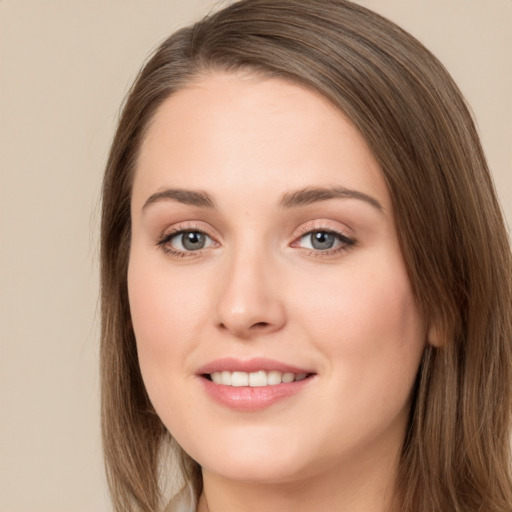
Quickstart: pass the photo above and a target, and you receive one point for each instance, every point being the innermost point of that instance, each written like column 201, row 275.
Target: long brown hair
column 456, row 455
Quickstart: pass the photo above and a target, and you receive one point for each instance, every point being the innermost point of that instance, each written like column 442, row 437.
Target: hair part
column 456, row 454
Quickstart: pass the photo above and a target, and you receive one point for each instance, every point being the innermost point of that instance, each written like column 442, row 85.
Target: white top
column 183, row 501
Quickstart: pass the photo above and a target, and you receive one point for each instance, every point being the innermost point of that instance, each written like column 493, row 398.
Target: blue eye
column 324, row 240
column 187, row 241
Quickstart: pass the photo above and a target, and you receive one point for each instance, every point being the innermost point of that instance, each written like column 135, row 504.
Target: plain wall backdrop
column 65, row 66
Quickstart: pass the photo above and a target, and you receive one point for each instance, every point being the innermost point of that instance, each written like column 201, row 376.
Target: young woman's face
column 277, row 332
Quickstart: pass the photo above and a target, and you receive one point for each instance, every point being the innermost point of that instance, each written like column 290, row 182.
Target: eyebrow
column 294, row 199
column 312, row 195
column 192, row 197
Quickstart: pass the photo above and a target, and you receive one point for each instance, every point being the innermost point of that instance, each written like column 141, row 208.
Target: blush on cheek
column 362, row 317
column 145, row 309
column 165, row 310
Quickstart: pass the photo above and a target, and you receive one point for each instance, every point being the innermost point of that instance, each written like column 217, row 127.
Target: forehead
column 233, row 130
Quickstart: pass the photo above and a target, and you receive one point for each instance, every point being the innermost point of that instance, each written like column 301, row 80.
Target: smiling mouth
column 257, row 379
column 253, row 385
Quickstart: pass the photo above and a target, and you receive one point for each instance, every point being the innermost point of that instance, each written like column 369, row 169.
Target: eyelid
column 164, row 240
column 323, row 225
column 346, row 241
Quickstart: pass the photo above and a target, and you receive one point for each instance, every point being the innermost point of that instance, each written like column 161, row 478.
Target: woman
column 306, row 279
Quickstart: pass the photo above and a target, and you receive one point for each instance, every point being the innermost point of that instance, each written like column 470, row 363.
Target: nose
column 250, row 302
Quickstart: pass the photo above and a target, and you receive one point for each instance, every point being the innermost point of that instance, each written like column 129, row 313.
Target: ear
column 435, row 336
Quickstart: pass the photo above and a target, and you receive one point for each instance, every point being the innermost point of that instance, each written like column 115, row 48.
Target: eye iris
column 193, row 241
column 322, row 240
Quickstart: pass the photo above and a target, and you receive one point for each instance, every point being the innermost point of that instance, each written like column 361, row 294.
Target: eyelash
column 165, row 239
column 346, row 243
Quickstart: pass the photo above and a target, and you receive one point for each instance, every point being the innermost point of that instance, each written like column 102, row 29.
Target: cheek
column 367, row 326
column 371, row 297
column 162, row 307
column 166, row 310
column 366, row 322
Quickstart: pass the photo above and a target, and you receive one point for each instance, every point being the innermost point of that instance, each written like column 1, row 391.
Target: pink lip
column 246, row 398
column 251, row 365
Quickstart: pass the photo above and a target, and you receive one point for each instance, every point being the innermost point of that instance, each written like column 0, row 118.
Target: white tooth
column 288, row 377
column 216, row 377
column 239, row 379
column 273, row 378
column 257, row 379
column 301, row 376
column 226, row 378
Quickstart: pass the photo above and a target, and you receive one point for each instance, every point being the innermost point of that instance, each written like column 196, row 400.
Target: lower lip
column 246, row 398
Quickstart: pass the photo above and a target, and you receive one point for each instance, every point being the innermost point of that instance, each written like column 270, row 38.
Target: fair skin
column 238, row 263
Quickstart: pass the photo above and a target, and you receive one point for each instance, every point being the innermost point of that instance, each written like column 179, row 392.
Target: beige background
column 64, row 69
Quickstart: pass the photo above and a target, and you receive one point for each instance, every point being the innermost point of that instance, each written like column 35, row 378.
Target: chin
column 264, row 470
column 262, row 460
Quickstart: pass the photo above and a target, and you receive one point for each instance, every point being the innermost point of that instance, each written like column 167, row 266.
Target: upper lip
column 250, row 365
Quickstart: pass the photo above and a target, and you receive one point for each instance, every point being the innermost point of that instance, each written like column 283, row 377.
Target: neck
column 367, row 488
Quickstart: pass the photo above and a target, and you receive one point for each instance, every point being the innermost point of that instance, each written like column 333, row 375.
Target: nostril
column 260, row 325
